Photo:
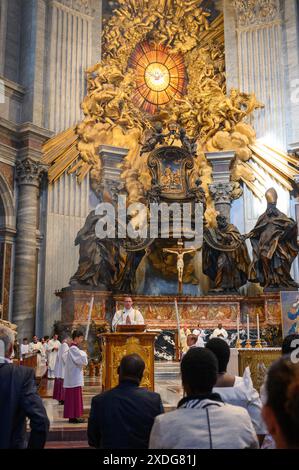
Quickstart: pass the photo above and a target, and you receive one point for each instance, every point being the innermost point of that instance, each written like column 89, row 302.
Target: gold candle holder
column 248, row 344
column 258, row 344
column 238, row 344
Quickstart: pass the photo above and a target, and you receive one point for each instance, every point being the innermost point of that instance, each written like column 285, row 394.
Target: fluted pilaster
column 260, row 64
column 70, row 54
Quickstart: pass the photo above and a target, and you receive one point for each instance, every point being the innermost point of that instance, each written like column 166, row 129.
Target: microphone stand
column 116, row 323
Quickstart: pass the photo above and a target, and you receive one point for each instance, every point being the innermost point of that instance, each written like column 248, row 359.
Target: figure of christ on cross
column 180, row 252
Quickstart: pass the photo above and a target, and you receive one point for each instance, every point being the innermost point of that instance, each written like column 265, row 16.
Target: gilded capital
column 256, row 12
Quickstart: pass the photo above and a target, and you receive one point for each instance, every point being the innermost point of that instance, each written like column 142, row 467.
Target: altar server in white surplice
column 58, row 392
column 74, row 380
column 24, row 348
column 52, row 351
column 128, row 315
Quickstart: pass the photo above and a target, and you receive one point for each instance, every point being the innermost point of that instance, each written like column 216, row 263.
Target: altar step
column 67, row 445
column 63, row 435
column 168, row 383
column 73, row 433
column 167, row 371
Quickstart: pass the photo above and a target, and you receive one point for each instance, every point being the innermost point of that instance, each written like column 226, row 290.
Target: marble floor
column 65, row 435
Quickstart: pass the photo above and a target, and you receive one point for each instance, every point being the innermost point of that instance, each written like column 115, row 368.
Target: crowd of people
column 218, row 410
column 46, row 349
column 63, row 362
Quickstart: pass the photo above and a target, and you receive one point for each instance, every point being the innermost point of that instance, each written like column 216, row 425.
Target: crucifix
column 180, row 252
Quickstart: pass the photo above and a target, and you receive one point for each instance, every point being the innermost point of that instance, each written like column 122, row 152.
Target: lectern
column 119, row 344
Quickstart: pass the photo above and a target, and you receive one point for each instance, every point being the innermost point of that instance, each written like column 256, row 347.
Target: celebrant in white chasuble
column 128, row 315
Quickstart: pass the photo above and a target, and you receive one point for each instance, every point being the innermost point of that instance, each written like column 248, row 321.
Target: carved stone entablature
column 225, row 193
column 29, row 171
column 256, row 12
column 86, row 7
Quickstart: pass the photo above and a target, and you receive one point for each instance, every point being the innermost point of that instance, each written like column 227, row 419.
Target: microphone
column 118, row 320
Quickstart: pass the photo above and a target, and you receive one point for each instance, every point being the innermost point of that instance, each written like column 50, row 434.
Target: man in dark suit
column 19, row 399
column 122, row 418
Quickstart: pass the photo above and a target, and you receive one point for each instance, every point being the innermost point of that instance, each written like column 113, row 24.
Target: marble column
column 28, row 173
column 222, row 189
column 3, row 21
column 6, row 250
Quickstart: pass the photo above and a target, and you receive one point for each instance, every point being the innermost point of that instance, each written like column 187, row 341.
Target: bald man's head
column 131, row 368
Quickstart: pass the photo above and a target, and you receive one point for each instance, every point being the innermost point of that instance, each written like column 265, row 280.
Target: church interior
column 148, row 164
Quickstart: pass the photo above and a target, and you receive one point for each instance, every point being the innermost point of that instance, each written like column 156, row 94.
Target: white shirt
column 219, row 331
column 120, row 318
column 73, row 373
column 200, row 342
column 188, row 427
column 245, row 395
column 198, row 332
column 61, row 360
column 24, row 349
column 200, row 335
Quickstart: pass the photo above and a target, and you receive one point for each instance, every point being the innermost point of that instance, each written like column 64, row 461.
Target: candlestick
column 258, row 343
column 248, row 344
column 238, row 342
column 248, row 333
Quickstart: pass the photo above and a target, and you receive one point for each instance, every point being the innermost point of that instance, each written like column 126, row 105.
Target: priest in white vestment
column 128, row 315
column 76, row 359
column 58, row 391
column 52, row 351
column 36, row 347
column 219, row 332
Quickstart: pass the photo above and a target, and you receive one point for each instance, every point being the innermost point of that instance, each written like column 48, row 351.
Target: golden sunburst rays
column 265, row 162
column 160, row 76
column 60, row 152
column 278, row 164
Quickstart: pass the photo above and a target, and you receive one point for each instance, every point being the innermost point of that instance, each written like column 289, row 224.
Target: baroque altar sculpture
column 104, row 264
column 163, row 62
column 274, row 246
column 96, row 257
column 225, row 257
